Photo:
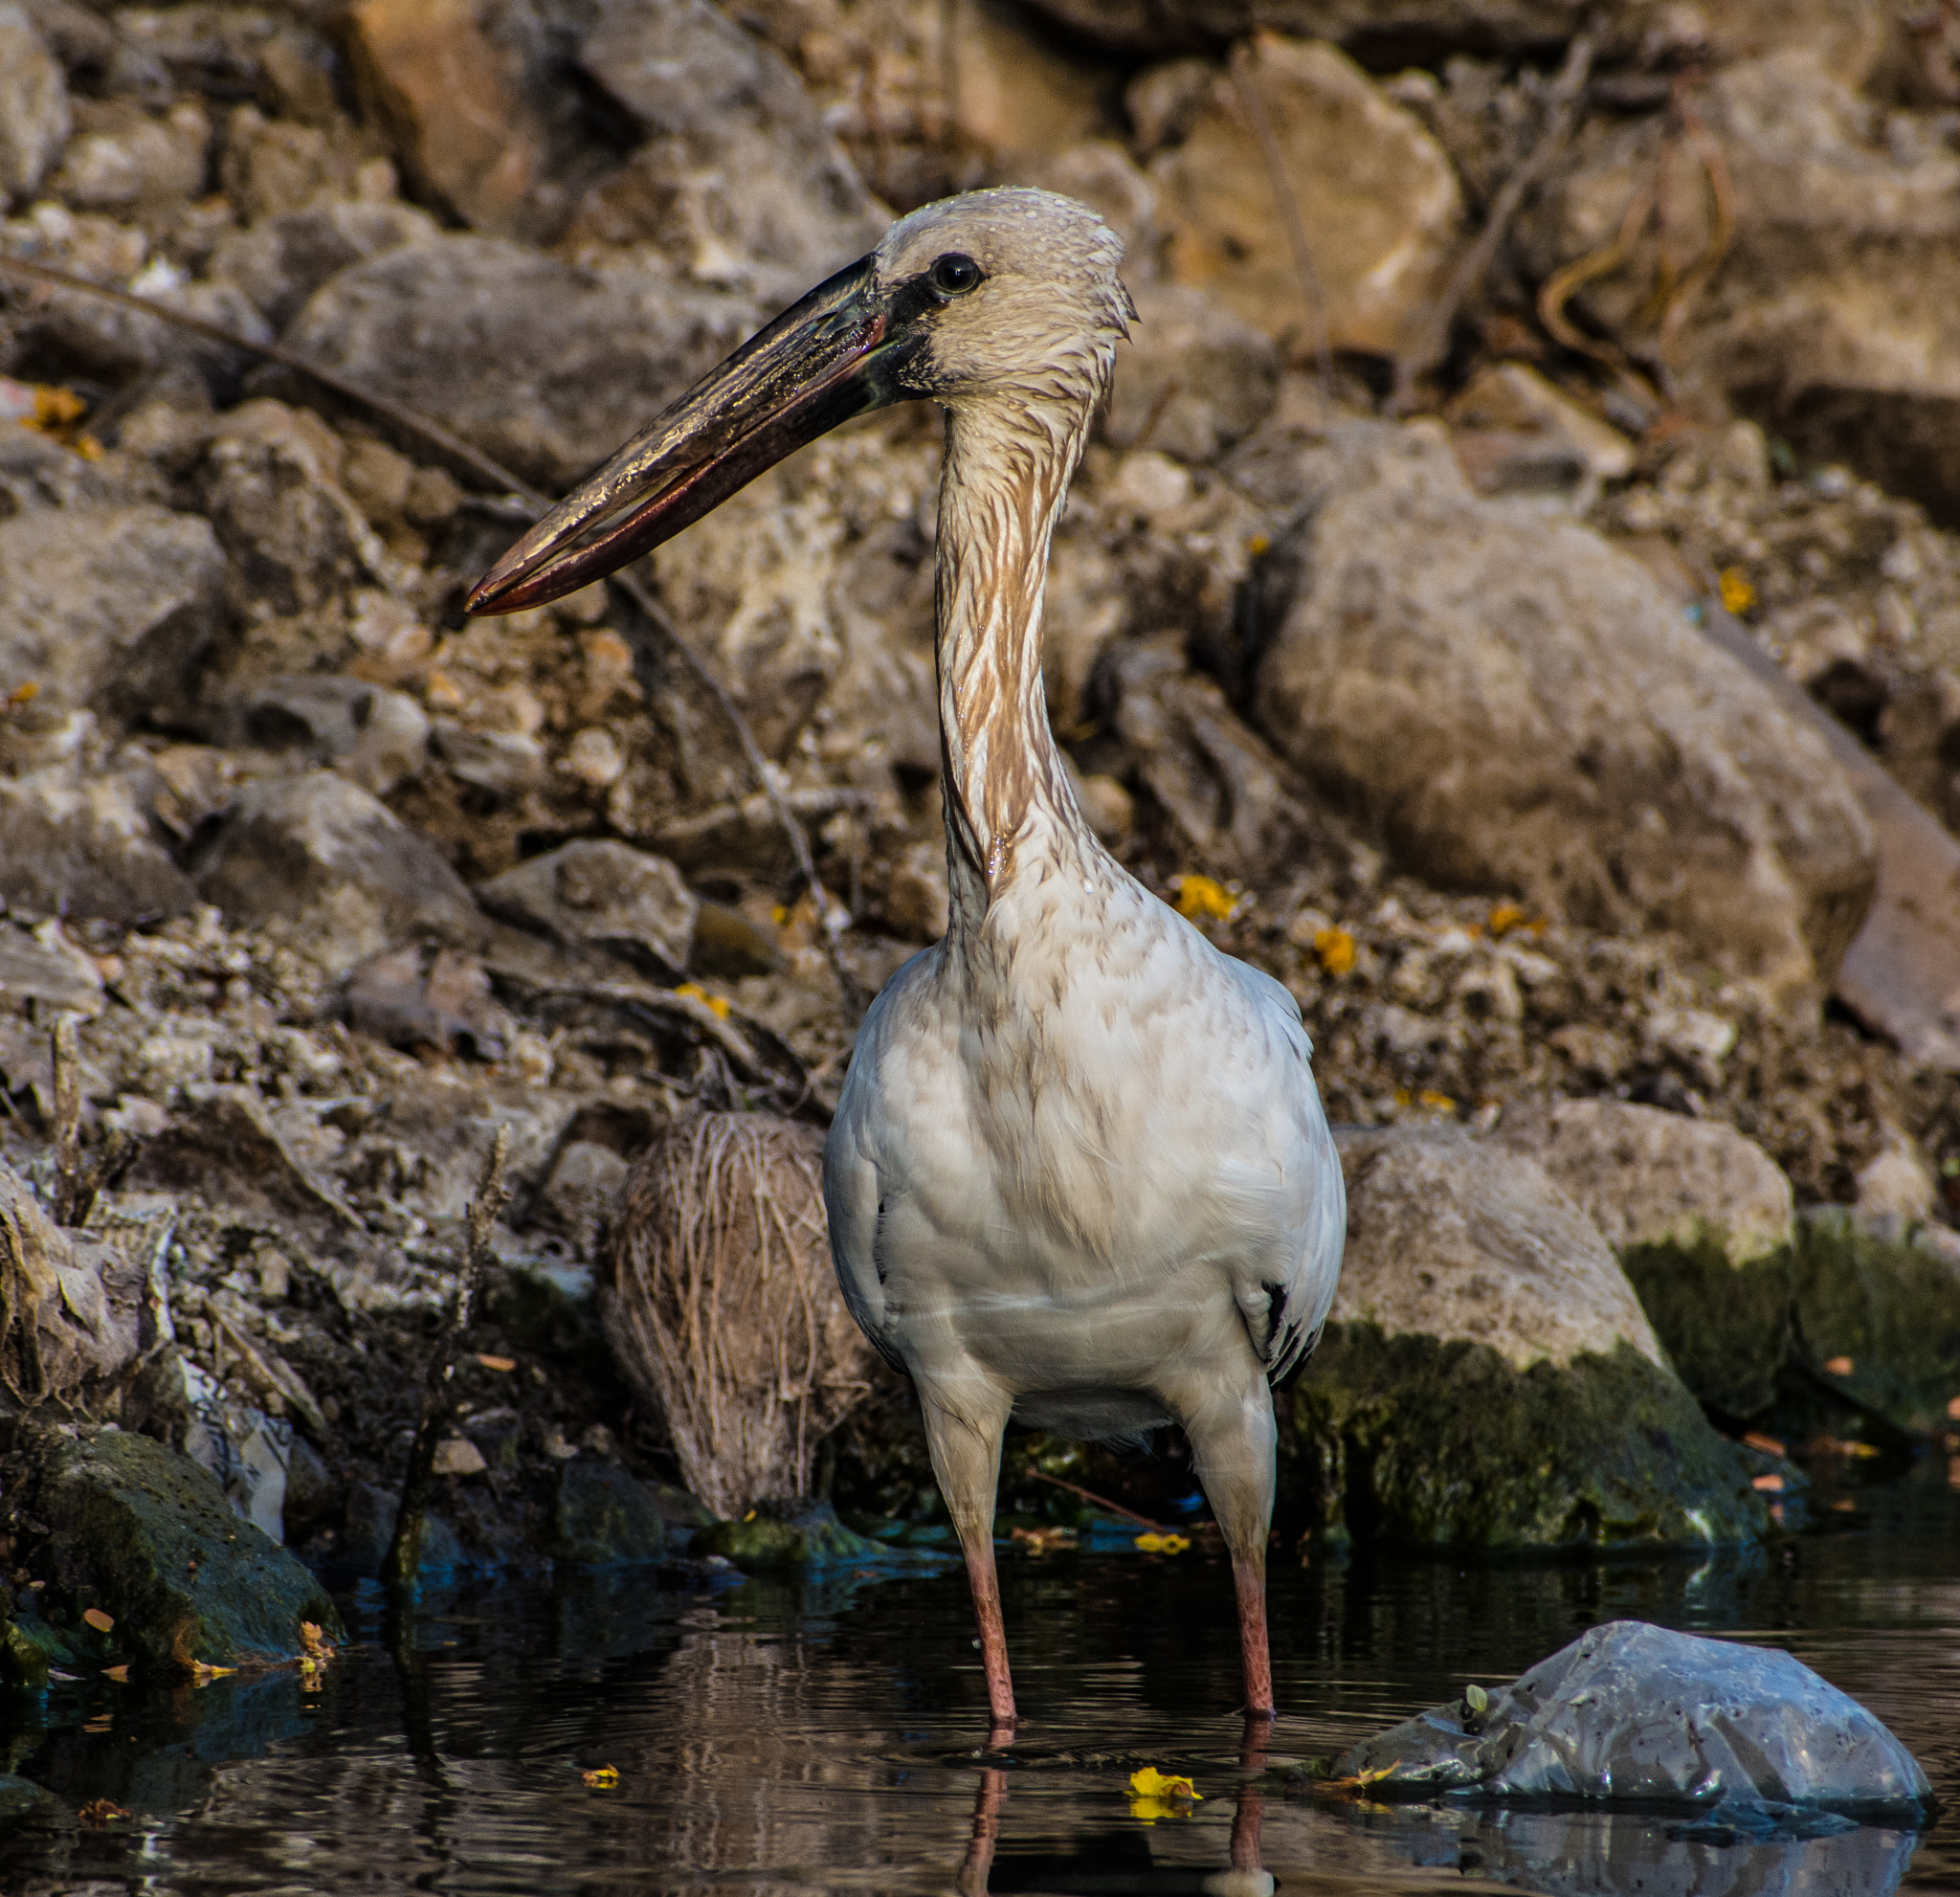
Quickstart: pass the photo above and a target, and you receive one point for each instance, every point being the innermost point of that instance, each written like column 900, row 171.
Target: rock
column 1753, row 1342
column 369, row 1526
column 124, row 159
column 70, row 1305
column 1519, row 706
column 106, row 607
column 1632, row 1712
column 296, row 542
column 542, row 363
column 739, row 184
column 455, row 94
column 1822, row 322
column 84, row 845
column 1488, row 1378
column 459, row 1455
column 416, row 999
column 601, row 895
column 34, row 105
column 246, row 1451
column 585, row 1186
column 319, row 862
column 604, row 1518
column 1646, row 1177
column 1154, row 27
column 1514, row 433
column 278, row 262
column 1220, row 784
column 225, row 1150
column 1897, row 1185
column 42, row 966
column 1195, row 378
column 506, row 764
column 780, row 1533
column 1384, row 205
column 375, row 737
column 146, row 1535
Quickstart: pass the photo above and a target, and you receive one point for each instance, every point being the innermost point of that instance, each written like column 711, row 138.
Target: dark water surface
column 829, row 1737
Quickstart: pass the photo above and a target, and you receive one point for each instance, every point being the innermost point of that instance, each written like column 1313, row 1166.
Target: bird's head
column 1001, row 295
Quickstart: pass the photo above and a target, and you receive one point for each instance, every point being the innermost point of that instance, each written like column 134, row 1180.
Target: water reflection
column 770, row 1739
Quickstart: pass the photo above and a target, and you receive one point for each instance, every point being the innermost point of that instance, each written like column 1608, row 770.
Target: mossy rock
column 602, row 1518
column 1418, row 1442
column 147, row 1536
column 1736, row 1332
column 28, row 1647
column 778, row 1535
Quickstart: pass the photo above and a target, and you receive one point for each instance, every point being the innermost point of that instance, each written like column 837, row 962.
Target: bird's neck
column 1007, row 798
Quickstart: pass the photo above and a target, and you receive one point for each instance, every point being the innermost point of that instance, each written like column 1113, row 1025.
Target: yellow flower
column 1155, row 1794
column 1163, row 1544
column 1203, row 899
column 1335, row 948
column 695, row 991
column 1737, row 595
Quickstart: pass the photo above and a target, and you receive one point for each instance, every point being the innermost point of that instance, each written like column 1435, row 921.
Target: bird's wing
column 1297, row 1272
column 851, row 1200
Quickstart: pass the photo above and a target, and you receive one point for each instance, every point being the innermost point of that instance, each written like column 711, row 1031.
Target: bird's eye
column 954, row 274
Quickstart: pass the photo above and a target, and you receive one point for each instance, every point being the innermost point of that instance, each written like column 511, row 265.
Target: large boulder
column 280, row 261
column 738, row 182
column 1385, row 205
column 1519, row 706
column 146, row 1536
column 1488, row 1378
column 1648, row 1177
column 1825, row 318
column 545, row 364
column 106, row 607
column 325, row 865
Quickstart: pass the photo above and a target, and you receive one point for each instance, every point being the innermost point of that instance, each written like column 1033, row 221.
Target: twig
column 67, row 1119
column 1100, row 1501
column 1291, row 217
column 398, row 1572
column 497, row 476
column 1563, row 102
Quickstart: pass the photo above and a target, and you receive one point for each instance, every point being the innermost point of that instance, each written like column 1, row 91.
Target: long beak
column 824, row 360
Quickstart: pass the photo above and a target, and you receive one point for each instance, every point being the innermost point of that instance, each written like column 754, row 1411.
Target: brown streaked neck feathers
column 1006, row 471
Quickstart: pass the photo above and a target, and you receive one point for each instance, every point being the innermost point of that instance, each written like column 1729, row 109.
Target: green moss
column 1418, row 1442
column 603, row 1517
column 146, row 1535
column 786, row 1534
column 1752, row 1341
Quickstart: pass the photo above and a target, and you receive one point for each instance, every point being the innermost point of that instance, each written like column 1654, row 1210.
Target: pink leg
column 1249, row 1578
column 986, row 1585
column 1251, row 1808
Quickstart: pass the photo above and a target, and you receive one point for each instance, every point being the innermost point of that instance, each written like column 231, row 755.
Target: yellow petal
column 95, row 1617
column 1335, row 948
column 1204, row 898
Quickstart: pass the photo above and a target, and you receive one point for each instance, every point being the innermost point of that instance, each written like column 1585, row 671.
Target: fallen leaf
column 1163, row 1544
column 100, row 1812
column 1043, row 1541
column 1155, row 1794
column 1737, row 595
column 1203, row 899
column 1838, row 1366
column 1953, row 1409
column 1843, row 1506
column 1335, row 948
column 102, row 1622
column 119, row 1674
column 202, row 1675
column 496, row 1363
column 714, row 1003
column 1772, row 1485
column 601, row 1778
column 1768, row 1444
column 1476, row 1698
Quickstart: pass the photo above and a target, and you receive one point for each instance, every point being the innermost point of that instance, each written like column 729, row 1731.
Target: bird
column 1079, row 1177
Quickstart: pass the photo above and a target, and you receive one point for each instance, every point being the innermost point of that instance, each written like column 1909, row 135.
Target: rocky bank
column 1549, row 671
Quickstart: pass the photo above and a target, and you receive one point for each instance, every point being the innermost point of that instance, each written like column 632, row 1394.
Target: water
column 829, row 1737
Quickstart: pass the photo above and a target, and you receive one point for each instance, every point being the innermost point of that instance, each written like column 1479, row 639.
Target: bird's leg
column 1235, row 1445
column 966, row 1458
column 978, row 1865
